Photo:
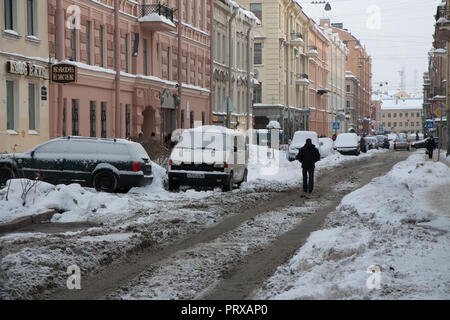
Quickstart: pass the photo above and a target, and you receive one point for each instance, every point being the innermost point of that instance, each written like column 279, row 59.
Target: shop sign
column 64, row 73
column 26, row 69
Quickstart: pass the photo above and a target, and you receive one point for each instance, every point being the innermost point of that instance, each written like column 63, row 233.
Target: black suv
column 109, row 165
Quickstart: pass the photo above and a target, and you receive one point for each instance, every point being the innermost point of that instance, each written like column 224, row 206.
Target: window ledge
column 11, row 132
column 33, row 132
column 11, row 34
column 33, row 39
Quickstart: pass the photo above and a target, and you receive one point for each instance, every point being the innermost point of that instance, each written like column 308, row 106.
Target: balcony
column 296, row 39
column 312, row 52
column 442, row 31
column 302, row 79
column 156, row 17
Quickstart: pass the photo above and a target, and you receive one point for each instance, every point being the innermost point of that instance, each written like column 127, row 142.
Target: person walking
column 430, row 146
column 308, row 155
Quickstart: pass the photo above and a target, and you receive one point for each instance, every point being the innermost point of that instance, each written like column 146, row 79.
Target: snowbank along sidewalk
column 387, row 240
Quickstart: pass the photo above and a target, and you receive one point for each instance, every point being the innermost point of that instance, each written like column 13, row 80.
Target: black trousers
column 430, row 153
column 308, row 185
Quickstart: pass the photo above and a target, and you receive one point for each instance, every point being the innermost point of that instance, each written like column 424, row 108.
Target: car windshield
column 197, row 140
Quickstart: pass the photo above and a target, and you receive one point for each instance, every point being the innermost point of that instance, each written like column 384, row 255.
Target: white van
column 209, row 156
column 347, row 143
column 299, row 141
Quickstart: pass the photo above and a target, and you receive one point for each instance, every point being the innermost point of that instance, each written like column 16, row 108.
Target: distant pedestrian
column 430, row 146
column 417, row 136
column 334, row 137
column 308, row 155
column 362, row 144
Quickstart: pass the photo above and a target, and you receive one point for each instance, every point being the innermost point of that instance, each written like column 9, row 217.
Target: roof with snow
column 406, row 103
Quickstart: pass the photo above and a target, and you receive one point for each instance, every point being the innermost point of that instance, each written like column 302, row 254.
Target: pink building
column 165, row 78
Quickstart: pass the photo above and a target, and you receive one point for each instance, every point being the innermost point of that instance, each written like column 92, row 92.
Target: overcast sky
column 397, row 34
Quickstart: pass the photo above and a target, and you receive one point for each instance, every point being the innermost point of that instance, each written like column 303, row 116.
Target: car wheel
column 229, row 185
column 173, row 185
column 6, row 173
column 105, row 181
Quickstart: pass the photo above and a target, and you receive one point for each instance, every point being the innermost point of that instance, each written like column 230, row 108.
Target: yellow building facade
column 24, row 75
column 281, row 64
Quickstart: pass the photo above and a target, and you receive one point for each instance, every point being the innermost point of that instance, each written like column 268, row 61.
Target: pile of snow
column 394, row 226
column 78, row 204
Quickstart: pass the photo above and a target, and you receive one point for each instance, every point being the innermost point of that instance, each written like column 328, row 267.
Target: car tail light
column 136, row 166
column 225, row 165
column 170, row 162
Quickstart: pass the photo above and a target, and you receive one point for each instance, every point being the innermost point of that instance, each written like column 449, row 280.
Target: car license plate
column 195, row 175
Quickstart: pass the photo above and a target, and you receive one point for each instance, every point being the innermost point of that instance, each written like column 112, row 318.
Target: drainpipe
column 180, row 82
column 116, row 132
column 230, row 62
column 249, row 86
column 447, row 100
column 59, row 56
column 211, row 59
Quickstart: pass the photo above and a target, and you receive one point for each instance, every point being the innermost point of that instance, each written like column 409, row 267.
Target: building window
column 32, row 110
column 400, row 124
column 10, row 106
column 102, row 46
column 384, row 115
column 395, row 124
column 412, row 124
column 195, row 13
column 406, row 114
column 88, row 41
column 73, row 43
column 417, row 124
column 64, row 118
column 10, row 7
column 32, row 17
column 93, row 118
column 145, row 44
column 389, row 115
column 348, row 104
column 169, row 63
column 182, row 119
column 127, row 120
column 103, row 119
column 75, row 122
column 395, row 114
column 348, row 88
column 191, row 120
column 389, row 124
column 256, row 8
column 257, row 93
column 400, row 114
column 258, row 54
column 127, row 52
column 418, row 114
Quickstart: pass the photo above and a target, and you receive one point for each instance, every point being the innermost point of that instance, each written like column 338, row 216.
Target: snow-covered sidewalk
column 387, row 240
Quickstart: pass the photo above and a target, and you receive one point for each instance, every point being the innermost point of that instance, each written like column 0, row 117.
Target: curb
column 26, row 221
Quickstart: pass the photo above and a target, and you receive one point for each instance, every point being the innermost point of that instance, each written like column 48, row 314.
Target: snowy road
column 210, row 247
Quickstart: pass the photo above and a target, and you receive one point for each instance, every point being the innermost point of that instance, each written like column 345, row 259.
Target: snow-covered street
column 155, row 244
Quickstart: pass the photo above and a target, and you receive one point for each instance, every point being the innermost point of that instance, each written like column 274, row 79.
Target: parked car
column 391, row 138
column 209, row 156
column 299, row 141
column 383, row 141
column 401, row 143
column 326, row 146
column 109, row 165
column 372, row 143
column 423, row 143
column 347, row 143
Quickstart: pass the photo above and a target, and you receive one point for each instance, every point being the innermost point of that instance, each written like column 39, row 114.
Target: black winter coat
column 308, row 155
column 431, row 144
